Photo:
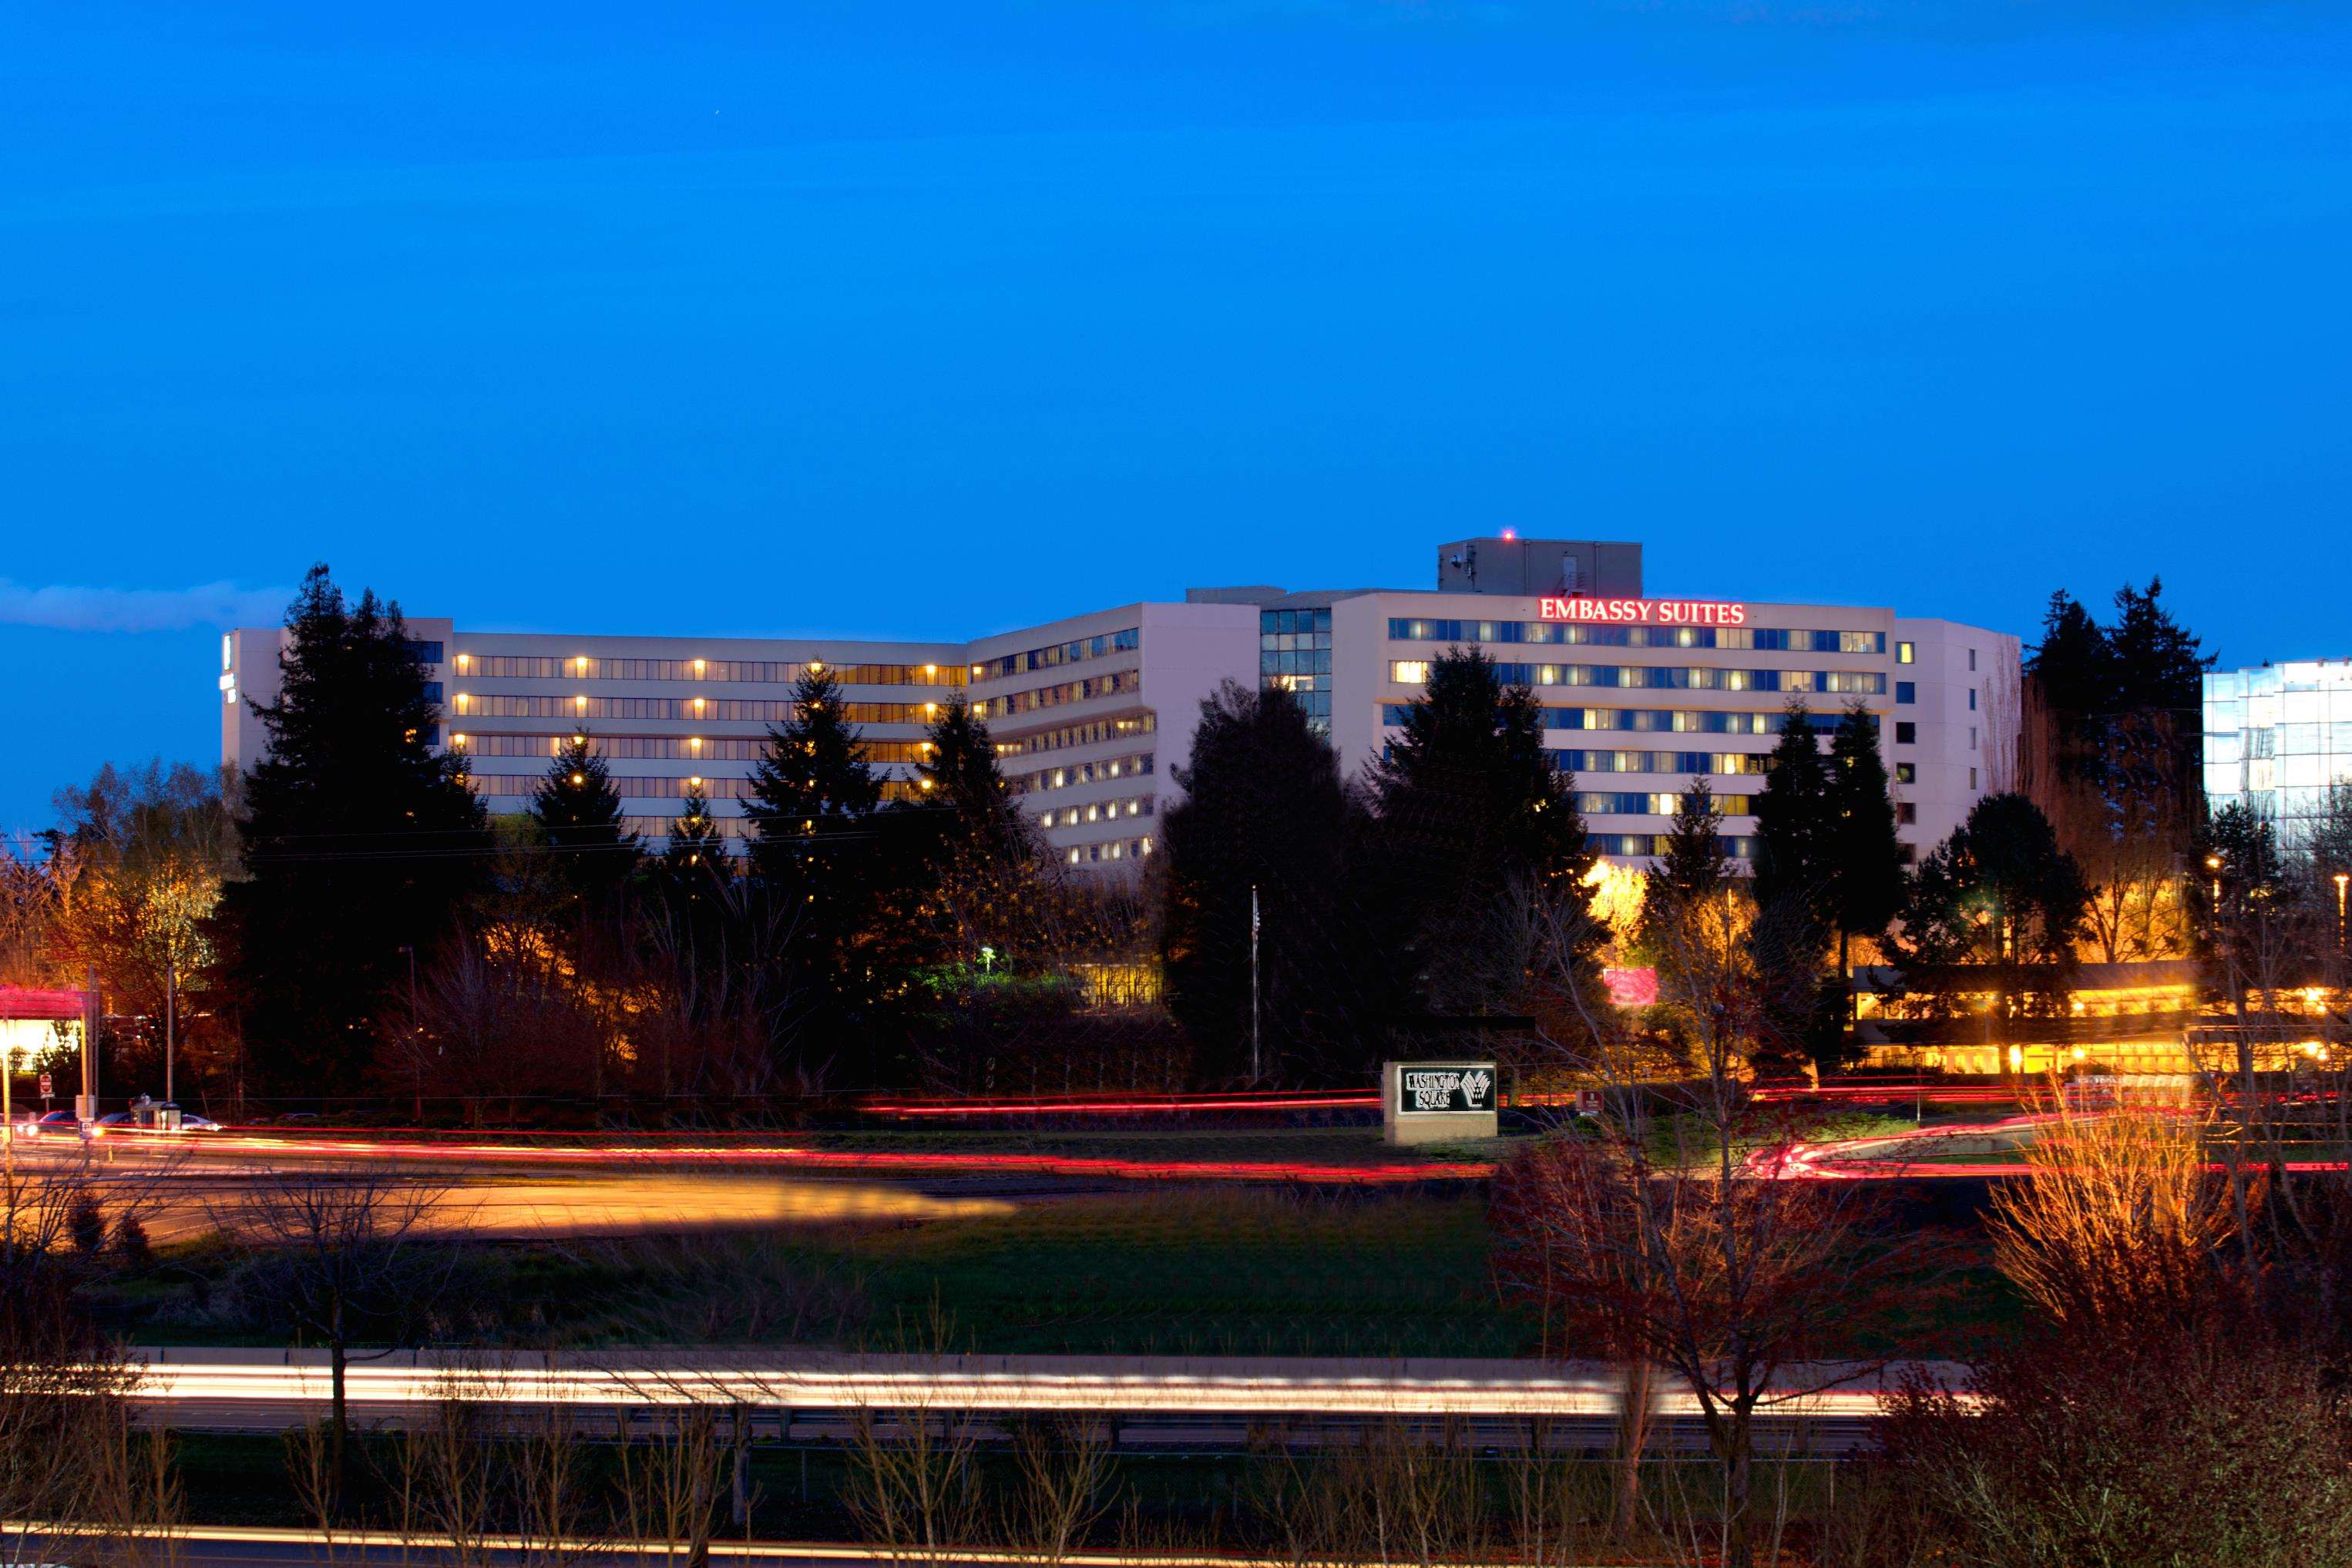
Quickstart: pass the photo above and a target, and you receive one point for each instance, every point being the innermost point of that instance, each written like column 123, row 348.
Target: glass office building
column 2277, row 738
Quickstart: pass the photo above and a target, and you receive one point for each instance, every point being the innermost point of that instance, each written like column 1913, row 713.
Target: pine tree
column 812, row 786
column 359, row 840
column 1476, row 820
column 579, row 815
column 693, row 876
column 1691, row 869
column 1865, row 862
column 1264, row 832
column 1792, row 820
column 966, row 871
column 958, row 773
column 815, row 857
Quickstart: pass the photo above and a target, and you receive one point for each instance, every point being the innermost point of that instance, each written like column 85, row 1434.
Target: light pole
column 171, row 1012
column 2214, row 864
column 2342, row 879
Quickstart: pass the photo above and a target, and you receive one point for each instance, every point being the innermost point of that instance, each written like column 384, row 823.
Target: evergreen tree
column 811, row 789
column 1476, row 822
column 1865, row 859
column 958, row 773
column 813, row 860
column 2000, row 898
column 697, row 849
column 970, row 876
column 1691, row 870
column 2074, row 676
column 1794, row 818
column 1263, row 832
column 1795, row 893
column 579, row 815
column 359, row 840
column 693, row 876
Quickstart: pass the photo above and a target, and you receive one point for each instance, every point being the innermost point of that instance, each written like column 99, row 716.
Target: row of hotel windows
column 1117, row 850
column 1634, row 803
column 1684, row 762
column 1030, row 659
column 1670, row 677
column 1079, row 773
column 1766, row 639
column 1091, row 733
column 662, row 827
column 759, row 671
column 1119, row 684
column 1099, row 812
column 1736, row 847
column 663, row 747
column 1678, row 721
column 501, row 787
column 739, row 710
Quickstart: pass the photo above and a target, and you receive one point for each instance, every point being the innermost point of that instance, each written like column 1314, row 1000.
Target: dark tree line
column 1396, row 913
column 383, row 936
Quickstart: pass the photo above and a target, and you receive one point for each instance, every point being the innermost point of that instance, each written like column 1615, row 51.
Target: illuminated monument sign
column 1424, row 1100
column 1645, row 611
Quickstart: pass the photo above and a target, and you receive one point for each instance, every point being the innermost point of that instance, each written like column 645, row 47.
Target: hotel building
column 1090, row 714
column 2277, row 740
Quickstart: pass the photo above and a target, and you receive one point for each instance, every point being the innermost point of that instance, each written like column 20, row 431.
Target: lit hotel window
column 1907, row 653
column 1409, row 671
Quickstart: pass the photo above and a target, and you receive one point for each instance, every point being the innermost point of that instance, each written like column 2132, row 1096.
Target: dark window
column 1905, row 812
column 1906, row 690
column 1906, row 773
column 1906, row 733
column 433, row 691
column 423, row 653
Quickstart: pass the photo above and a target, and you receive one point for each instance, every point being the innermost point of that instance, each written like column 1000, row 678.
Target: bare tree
column 1679, row 1231
column 343, row 1255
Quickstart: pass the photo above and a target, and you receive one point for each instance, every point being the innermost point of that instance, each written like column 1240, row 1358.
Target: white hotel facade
column 1091, row 715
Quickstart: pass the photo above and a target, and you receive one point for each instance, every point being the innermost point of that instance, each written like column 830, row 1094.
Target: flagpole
column 1256, row 1071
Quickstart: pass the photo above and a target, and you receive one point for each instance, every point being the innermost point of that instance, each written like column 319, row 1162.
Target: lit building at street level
column 2278, row 738
column 1090, row 714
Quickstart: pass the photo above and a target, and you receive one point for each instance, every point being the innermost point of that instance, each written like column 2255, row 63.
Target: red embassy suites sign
column 1646, row 611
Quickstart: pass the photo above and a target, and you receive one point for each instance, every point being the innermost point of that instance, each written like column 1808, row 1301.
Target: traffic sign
column 46, row 1089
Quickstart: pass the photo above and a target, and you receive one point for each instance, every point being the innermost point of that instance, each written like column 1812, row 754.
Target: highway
column 254, row 1546
column 1182, row 1402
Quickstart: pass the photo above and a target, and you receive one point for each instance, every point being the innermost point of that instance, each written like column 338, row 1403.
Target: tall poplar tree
column 360, row 840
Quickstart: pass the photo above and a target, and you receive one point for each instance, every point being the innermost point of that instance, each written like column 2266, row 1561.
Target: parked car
column 191, row 1122
column 56, row 1124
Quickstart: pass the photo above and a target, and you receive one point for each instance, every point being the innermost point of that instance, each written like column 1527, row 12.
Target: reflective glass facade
column 2276, row 739
column 1294, row 653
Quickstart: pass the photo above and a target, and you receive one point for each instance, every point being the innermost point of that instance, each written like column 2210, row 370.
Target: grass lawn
column 1164, row 1270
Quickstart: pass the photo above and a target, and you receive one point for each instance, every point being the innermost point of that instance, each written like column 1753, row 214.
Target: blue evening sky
column 936, row 317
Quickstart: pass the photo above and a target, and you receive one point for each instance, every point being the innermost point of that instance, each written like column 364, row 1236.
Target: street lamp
column 2342, row 879
column 2214, row 864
